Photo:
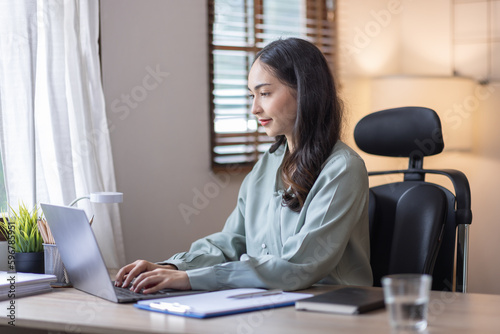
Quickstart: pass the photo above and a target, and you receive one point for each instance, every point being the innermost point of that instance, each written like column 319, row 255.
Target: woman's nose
column 255, row 107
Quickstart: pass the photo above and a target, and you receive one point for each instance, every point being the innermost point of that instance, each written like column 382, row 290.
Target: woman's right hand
column 126, row 274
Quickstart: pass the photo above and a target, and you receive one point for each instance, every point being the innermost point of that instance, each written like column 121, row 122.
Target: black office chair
column 415, row 226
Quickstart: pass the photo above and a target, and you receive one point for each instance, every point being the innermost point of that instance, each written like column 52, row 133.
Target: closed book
column 346, row 300
column 15, row 285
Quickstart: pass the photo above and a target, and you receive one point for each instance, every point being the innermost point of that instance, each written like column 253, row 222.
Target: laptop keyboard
column 126, row 293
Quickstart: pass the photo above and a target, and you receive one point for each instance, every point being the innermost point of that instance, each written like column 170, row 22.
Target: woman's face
column 274, row 104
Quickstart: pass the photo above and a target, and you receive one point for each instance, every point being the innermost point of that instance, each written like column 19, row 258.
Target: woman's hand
column 157, row 279
column 152, row 277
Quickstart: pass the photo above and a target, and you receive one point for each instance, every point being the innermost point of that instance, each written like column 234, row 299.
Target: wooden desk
column 72, row 311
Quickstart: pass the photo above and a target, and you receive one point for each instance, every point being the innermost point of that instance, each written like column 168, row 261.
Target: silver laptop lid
column 79, row 250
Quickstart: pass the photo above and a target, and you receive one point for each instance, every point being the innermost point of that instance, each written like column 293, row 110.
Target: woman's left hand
column 157, row 279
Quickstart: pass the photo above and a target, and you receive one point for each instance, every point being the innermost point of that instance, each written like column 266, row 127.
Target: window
column 476, row 39
column 3, row 193
column 238, row 30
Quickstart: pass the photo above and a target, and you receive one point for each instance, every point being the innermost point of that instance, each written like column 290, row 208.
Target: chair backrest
column 414, row 223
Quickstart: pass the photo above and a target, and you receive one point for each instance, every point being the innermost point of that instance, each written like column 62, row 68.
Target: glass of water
column 407, row 299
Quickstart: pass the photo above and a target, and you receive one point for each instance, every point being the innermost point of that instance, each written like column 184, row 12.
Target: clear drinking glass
column 407, row 299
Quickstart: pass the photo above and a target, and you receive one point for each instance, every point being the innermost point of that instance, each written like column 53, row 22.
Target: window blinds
column 238, row 30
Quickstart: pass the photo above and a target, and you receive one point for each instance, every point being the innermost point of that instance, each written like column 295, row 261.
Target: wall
column 154, row 61
column 403, row 43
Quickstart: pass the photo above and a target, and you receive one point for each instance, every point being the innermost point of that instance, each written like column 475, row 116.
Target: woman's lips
column 264, row 122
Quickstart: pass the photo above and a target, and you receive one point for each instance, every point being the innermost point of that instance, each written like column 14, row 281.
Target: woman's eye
column 264, row 94
column 251, row 96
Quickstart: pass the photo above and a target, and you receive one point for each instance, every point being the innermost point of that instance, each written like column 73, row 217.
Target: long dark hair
column 300, row 65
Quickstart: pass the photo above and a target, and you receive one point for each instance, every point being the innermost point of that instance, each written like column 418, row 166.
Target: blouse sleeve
column 331, row 240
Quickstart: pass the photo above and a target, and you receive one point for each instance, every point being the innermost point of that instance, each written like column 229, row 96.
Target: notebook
column 83, row 260
column 224, row 302
column 15, row 285
column 347, row 300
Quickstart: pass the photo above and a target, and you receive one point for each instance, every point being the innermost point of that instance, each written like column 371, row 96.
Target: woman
column 301, row 216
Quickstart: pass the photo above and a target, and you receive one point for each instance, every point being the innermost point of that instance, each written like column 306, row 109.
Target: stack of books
column 14, row 285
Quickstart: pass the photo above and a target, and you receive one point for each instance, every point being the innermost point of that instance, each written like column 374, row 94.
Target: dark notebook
column 348, row 300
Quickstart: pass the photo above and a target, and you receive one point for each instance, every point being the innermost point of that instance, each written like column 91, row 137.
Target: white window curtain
column 54, row 136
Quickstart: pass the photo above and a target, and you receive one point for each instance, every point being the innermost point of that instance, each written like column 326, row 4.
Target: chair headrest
column 412, row 132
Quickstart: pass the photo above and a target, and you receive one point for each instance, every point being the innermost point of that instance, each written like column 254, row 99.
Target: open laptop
column 83, row 260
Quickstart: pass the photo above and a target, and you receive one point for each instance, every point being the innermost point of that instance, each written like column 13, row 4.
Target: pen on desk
column 257, row 294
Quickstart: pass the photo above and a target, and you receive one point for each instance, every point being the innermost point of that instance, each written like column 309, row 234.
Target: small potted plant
column 21, row 227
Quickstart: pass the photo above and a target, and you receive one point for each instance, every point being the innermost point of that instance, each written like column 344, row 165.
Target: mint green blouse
column 264, row 244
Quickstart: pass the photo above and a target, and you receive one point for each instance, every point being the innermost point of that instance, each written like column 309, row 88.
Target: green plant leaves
column 22, row 226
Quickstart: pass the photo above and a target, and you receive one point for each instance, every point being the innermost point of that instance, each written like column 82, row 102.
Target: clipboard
column 219, row 303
